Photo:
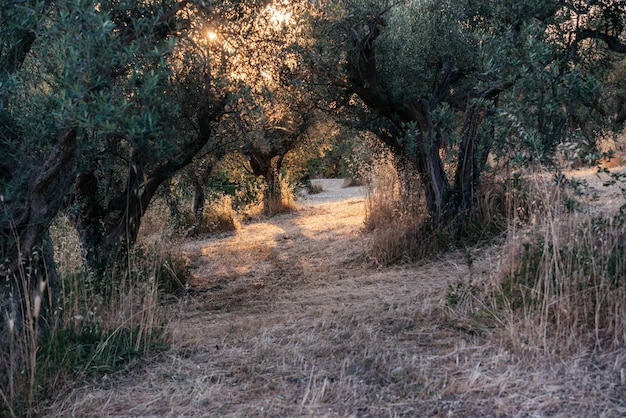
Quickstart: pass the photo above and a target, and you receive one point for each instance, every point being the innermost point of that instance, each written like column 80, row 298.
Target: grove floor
column 290, row 317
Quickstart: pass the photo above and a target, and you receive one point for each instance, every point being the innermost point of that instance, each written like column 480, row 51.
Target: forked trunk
column 107, row 230
column 414, row 136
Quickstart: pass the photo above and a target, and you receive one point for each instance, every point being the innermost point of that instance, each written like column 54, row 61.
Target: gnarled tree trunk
column 415, row 138
column 108, row 231
column 27, row 271
column 268, row 165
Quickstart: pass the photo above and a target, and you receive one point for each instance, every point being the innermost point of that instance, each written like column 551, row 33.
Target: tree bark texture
column 27, row 271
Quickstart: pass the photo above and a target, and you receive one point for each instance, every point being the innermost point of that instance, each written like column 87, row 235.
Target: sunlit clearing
column 211, row 36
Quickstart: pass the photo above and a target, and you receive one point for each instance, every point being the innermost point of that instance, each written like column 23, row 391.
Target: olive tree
column 100, row 103
column 454, row 79
column 277, row 111
column 174, row 103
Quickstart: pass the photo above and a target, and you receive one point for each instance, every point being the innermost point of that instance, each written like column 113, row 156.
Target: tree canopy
column 465, row 79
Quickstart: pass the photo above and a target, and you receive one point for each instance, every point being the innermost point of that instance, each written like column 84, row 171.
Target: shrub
column 391, row 223
column 218, row 216
column 568, row 280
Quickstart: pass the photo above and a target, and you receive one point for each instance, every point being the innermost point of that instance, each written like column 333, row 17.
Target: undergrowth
column 218, row 215
column 565, row 276
column 561, row 286
column 90, row 330
column 397, row 218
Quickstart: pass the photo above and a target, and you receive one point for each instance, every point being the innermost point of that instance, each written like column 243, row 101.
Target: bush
column 218, row 216
column 561, row 285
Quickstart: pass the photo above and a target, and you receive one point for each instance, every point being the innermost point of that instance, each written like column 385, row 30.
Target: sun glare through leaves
column 278, row 17
column 211, row 35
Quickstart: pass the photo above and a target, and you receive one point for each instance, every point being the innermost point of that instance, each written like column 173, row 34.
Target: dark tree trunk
column 172, row 202
column 429, row 164
column 108, row 231
column 274, row 193
column 448, row 204
column 198, row 197
column 469, row 166
column 28, row 271
column 268, row 166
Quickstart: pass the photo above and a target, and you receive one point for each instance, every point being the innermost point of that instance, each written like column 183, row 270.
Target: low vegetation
column 101, row 323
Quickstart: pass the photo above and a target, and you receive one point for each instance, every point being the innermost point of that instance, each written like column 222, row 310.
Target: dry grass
column 89, row 331
column 393, row 212
column 564, row 281
column 219, row 216
column 396, row 216
column 289, row 317
column 282, row 200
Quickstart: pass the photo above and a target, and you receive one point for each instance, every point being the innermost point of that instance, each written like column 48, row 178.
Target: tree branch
column 613, row 42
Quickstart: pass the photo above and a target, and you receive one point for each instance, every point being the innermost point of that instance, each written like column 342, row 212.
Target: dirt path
column 288, row 317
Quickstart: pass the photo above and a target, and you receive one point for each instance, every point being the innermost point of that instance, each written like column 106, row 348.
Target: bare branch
column 613, row 42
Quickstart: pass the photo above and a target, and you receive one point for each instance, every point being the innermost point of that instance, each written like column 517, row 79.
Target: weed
column 460, row 291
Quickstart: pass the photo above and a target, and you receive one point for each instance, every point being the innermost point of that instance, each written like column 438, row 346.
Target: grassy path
column 289, row 317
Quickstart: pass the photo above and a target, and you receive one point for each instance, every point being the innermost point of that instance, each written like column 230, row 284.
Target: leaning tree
column 173, row 103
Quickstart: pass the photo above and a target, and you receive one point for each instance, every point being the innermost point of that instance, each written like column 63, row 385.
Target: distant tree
column 277, row 110
column 267, row 153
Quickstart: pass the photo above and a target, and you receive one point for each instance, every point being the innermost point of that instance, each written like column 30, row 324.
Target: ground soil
column 290, row 317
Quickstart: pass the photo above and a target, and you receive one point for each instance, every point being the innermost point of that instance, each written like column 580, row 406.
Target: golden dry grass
column 289, row 317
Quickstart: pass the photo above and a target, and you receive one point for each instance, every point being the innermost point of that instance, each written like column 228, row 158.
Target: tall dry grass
column 563, row 286
column 559, row 288
column 218, row 216
column 393, row 210
column 397, row 217
column 89, row 332
column 280, row 199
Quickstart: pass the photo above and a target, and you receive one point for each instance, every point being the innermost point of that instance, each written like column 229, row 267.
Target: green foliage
column 423, row 34
column 244, row 188
column 88, row 350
